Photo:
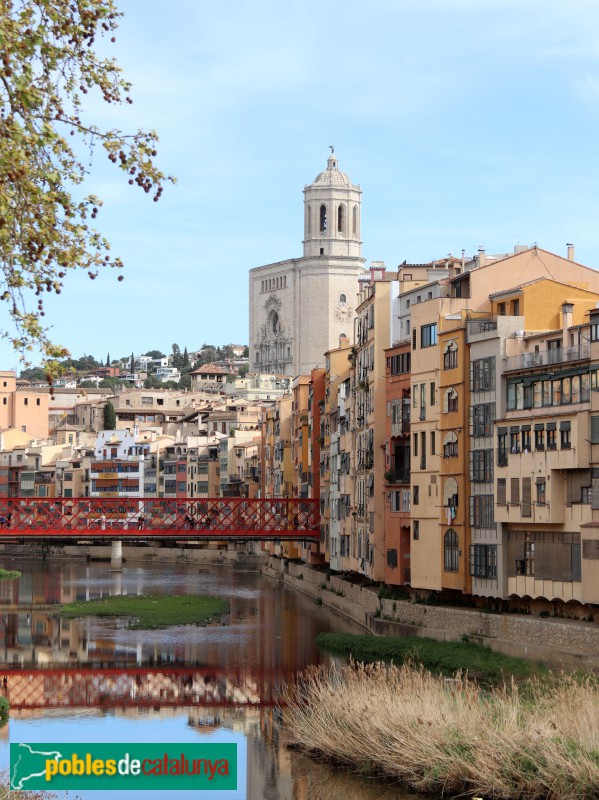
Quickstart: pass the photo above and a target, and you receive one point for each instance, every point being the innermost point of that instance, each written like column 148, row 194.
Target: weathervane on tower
column 332, row 148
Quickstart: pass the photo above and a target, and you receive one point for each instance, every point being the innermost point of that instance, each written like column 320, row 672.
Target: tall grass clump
column 527, row 742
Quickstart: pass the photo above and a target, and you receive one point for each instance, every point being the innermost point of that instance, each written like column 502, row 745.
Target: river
column 94, row 680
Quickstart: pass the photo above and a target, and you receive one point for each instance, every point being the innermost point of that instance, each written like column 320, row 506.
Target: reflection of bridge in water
column 167, row 519
column 150, row 687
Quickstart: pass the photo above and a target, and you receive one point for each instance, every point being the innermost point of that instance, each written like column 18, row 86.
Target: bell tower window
column 308, row 225
column 323, row 218
column 355, row 220
column 341, row 219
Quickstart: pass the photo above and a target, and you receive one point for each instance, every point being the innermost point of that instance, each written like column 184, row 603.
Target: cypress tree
column 109, row 416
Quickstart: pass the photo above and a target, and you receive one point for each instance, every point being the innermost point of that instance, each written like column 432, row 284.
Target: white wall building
column 300, row 307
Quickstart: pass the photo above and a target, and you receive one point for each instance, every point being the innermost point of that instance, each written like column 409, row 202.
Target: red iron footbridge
column 93, row 519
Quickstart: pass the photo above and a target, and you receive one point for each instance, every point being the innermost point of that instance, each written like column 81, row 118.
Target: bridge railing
column 160, row 515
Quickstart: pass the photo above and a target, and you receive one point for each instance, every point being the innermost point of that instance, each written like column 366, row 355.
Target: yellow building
column 23, row 409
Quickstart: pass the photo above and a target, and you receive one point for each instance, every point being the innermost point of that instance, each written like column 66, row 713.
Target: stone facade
column 299, row 308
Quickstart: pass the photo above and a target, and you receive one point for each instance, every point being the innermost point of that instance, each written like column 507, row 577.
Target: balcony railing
column 476, row 326
column 560, row 355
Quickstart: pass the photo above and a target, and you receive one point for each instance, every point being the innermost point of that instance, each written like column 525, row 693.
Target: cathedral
column 299, row 308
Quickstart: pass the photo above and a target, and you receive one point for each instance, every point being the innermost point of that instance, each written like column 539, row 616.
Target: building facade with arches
column 299, row 308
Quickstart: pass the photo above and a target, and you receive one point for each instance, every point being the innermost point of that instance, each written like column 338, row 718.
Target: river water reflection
column 95, row 680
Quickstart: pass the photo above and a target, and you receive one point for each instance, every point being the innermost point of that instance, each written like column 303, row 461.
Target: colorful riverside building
column 472, row 336
column 368, row 409
column 397, row 465
column 335, row 455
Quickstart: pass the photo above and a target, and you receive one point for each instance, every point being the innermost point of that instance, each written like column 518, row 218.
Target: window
column 433, row 392
column 450, row 445
column 539, row 437
column 481, row 466
column 481, row 511
column 414, row 339
column 541, row 491
column 548, row 555
column 37, row 402
column 428, row 335
column 416, row 529
column 501, row 309
column 526, row 446
column 452, row 401
column 515, row 440
column 423, row 450
column 565, row 441
column 323, row 219
column 515, row 308
column 26, row 401
column 432, row 443
column 551, row 439
column 483, row 417
column 342, row 298
column 482, row 374
column 450, row 551
column 400, row 364
column 341, row 219
column 483, row 560
column 450, row 356
column 416, row 491
column 392, row 558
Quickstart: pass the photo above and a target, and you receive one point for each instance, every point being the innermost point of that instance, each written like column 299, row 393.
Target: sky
column 466, row 123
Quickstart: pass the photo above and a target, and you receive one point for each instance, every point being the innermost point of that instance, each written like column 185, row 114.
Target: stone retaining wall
column 563, row 635
column 557, row 642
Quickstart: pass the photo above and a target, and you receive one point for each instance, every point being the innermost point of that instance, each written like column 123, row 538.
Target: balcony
column 543, row 358
column 400, row 428
column 397, row 476
column 478, row 326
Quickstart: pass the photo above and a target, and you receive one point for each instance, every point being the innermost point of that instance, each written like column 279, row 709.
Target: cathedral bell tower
column 332, row 214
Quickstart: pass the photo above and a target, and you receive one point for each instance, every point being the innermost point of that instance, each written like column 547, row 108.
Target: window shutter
column 501, row 492
column 526, row 497
column 515, row 491
column 595, row 430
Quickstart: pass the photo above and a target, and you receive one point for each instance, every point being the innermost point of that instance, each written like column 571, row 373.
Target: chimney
column 567, row 309
column 463, row 259
column 481, row 257
column 570, row 247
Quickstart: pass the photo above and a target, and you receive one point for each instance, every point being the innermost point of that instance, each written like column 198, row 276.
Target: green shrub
column 444, row 657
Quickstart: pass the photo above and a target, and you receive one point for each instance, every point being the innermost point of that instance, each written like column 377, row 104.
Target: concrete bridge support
column 116, row 556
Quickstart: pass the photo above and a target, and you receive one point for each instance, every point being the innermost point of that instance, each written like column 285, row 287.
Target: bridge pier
column 116, row 556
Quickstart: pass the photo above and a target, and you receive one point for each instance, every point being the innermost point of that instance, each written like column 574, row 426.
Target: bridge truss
column 181, row 518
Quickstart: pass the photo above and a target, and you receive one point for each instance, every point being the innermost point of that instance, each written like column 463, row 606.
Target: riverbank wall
column 217, row 556
column 556, row 642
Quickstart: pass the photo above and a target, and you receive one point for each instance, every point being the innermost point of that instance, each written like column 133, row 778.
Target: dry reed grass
column 519, row 742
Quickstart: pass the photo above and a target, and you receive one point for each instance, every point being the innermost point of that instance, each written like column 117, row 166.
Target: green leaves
column 47, row 67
